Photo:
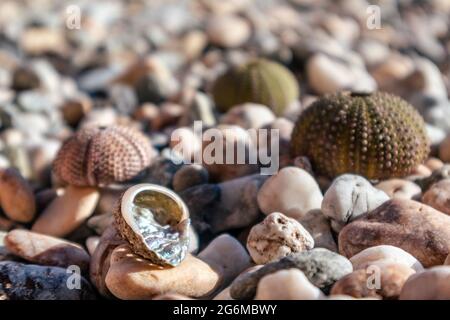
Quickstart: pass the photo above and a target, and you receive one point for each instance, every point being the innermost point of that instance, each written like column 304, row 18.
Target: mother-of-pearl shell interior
column 161, row 220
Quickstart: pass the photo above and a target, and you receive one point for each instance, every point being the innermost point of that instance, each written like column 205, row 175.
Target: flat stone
column 46, row 250
column 19, row 281
column 438, row 196
column 414, row 227
column 290, row 284
column 384, row 253
column 319, row 228
column 431, row 284
column 321, row 266
column 400, row 189
column 131, row 277
column 385, row 282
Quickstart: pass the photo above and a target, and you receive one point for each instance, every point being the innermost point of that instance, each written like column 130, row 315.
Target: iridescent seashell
column 156, row 223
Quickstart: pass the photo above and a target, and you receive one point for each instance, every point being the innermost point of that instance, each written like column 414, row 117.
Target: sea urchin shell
column 259, row 81
column 99, row 156
column 376, row 135
column 156, row 223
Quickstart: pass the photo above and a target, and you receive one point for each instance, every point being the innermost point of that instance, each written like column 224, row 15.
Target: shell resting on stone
column 155, row 221
column 99, row 156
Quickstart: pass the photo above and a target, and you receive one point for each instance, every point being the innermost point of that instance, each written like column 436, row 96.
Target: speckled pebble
column 277, row 236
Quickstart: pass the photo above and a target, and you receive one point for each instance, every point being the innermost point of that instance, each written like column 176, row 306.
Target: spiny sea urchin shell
column 99, row 156
column 259, row 81
column 376, row 135
column 155, row 221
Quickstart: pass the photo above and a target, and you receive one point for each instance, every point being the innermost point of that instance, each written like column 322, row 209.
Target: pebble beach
column 225, row 150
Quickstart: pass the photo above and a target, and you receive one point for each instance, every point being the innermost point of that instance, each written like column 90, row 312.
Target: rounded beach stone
column 348, row 197
column 414, row 227
column 216, row 142
column 277, row 236
column 100, row 260
column 319, row 228
column 321, row 266
column 228, row 30
column 434, row 163
column 19, row 281
column 384, row 253
column 17, row 198
column 400, row 189
column 290, row 284
column 131, row 277
column 188, row 176
column 431, row 284
column 439, row 174
column 292, row 191
column 67, row 212
column 227, row 257
column 438, row 196
column 46, row 250
column 92, row 243
column 379, row 282
column 248, row 115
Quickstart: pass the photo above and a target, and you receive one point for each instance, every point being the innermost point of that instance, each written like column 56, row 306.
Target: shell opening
column 162, row 223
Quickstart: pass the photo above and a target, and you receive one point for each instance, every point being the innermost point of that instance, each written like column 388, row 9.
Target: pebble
column 24, row 78
column 130, row 277
column 382, row 254
column 434, row 163
column 444, row 149
column 228, row 31
column 438, row 196
column 400, row 189
column 99, row 223
column 414, row 227
column 189, row 176
column 385, row 282
column 67, row 212
column 162, row 171
column 91, row 244
column 431, row 284
column 100, row 259
column 237, row 206
column 185, row 143
column 348, row 197
column 20, row 281
column 229, row 137
column 171, row 296
column 17, row 198
column 437, row 175
column 292, row 191
column 223, row 295
column 46, row 250
column 321, row 266
column 228, row 205
column 248, row 115
column 328, row 75
column 290, row 284
column 227, row 257
column 277, row 236
column 319, row 228
column 4, row 254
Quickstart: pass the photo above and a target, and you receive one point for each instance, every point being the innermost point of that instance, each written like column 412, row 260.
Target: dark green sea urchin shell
column 259, row 81
column 376, row 135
